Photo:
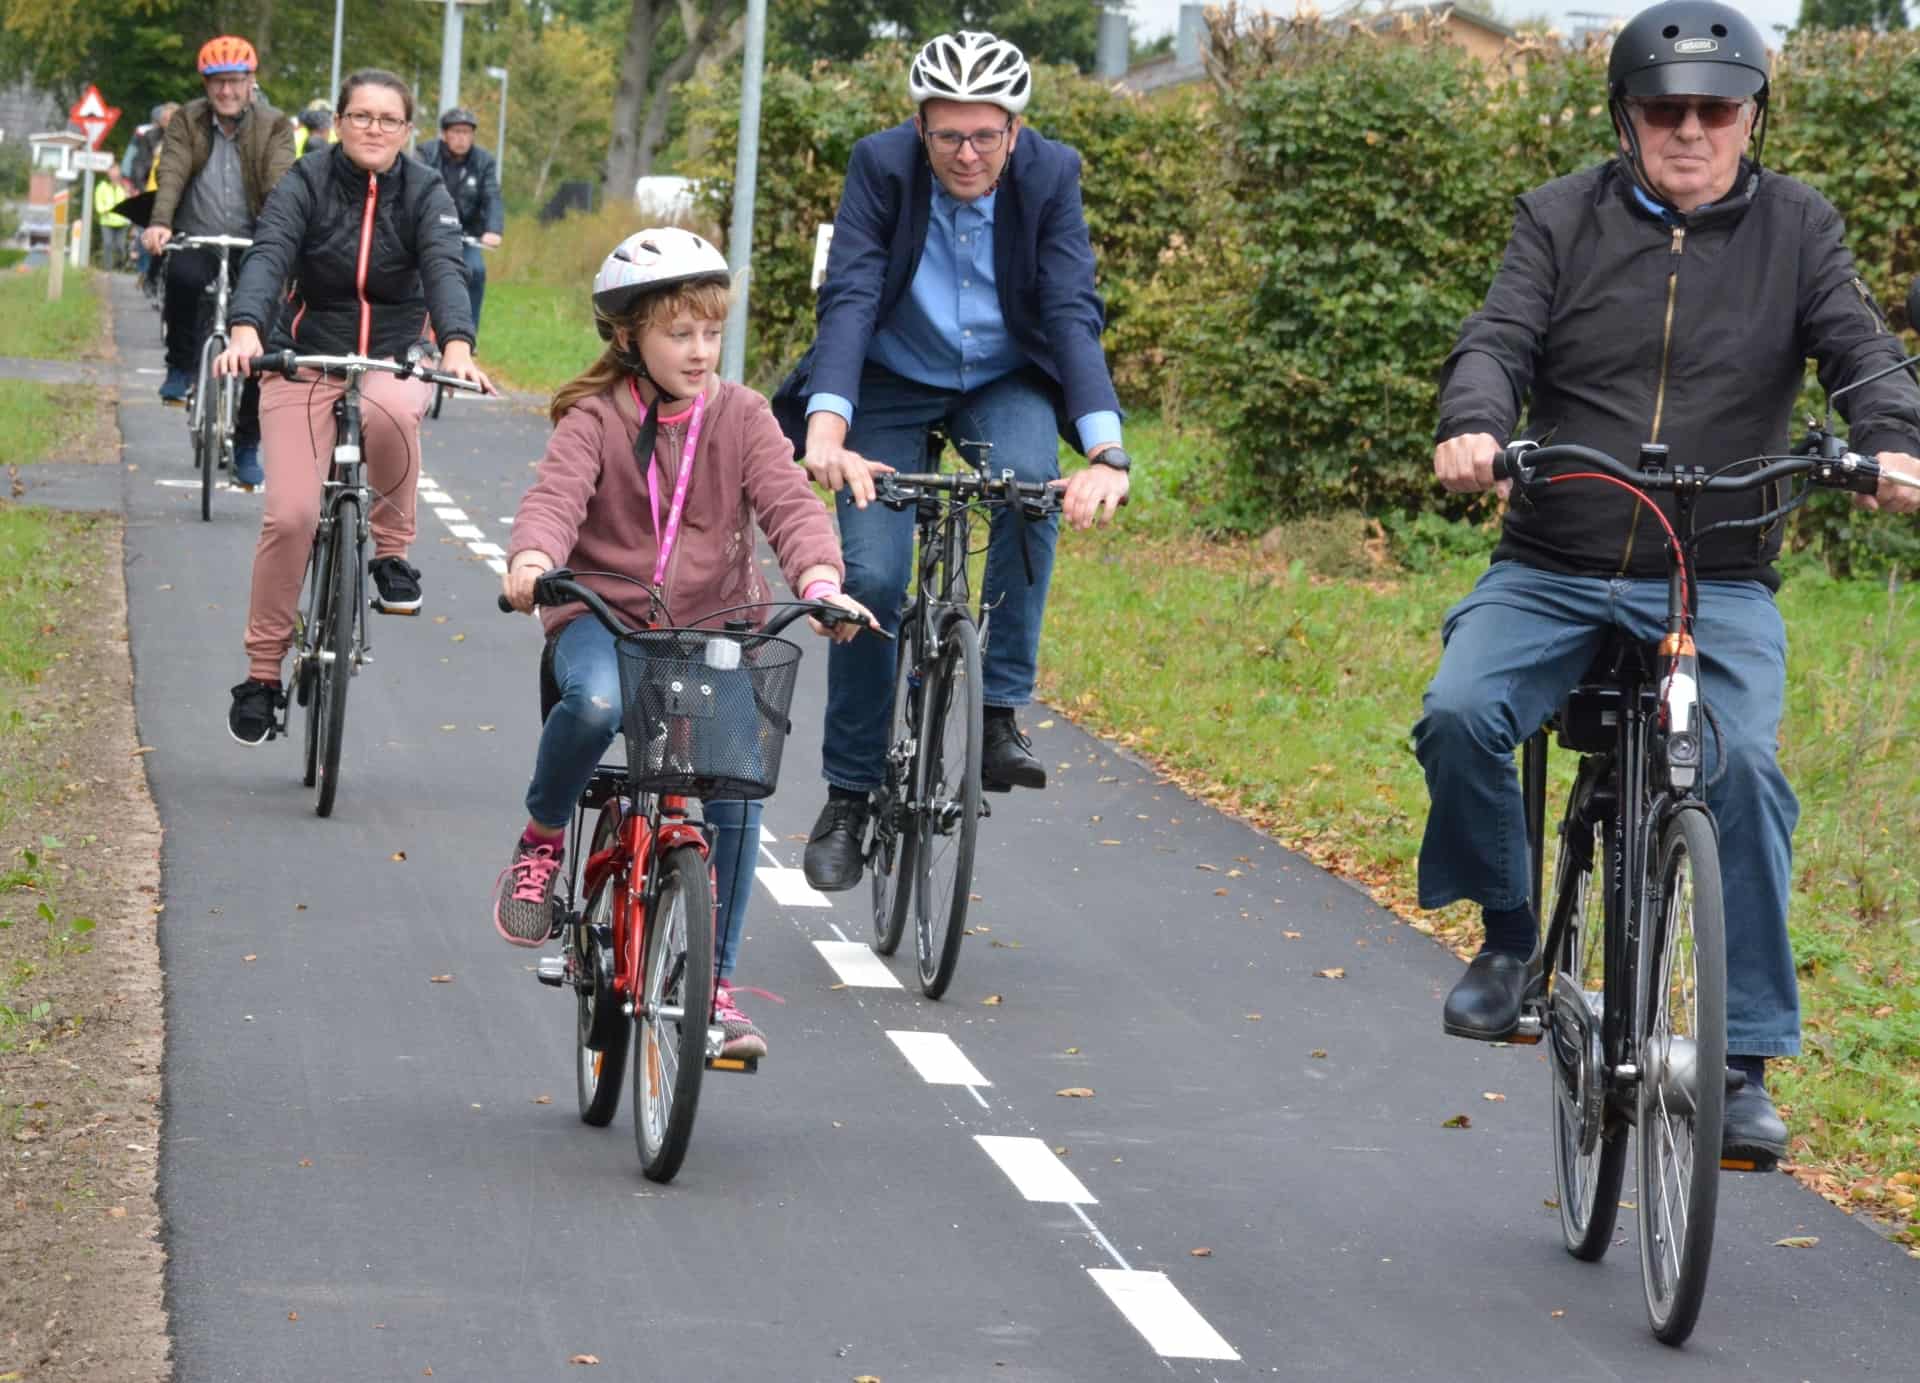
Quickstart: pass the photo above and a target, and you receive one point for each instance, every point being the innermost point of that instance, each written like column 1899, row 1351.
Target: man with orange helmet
column 220, row 158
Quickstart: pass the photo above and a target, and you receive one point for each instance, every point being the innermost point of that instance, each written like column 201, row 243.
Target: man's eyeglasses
column 238, row 82
column 984, row 142
column 366, row 120
column 1671, row 115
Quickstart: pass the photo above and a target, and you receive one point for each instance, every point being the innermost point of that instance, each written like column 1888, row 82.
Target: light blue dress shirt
column 948, row 332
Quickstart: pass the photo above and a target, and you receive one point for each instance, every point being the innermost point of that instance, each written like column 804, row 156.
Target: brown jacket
column 588, row 508
column 266, row 152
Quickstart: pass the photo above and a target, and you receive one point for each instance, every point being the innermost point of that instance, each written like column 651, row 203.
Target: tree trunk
column 700, row 137
column 699, row 39
column 629, row 96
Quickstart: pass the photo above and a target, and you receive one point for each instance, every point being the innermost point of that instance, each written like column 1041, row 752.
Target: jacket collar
column 1730, row 208
column 352, row 175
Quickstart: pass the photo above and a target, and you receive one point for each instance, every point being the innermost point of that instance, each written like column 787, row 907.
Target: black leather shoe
column 1755, row 1136
column 1006, row 759
column 1485, row 1004
column 832, row 863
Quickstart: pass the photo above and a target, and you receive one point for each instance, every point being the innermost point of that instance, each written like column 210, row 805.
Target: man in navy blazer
column 959, row 289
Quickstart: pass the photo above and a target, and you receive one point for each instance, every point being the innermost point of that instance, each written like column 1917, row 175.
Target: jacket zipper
column 360, row 271
column 1660, row 391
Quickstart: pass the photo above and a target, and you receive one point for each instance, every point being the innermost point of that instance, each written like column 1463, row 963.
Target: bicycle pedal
column 551, row 971
column 1529, row 1031
column 744, row 1065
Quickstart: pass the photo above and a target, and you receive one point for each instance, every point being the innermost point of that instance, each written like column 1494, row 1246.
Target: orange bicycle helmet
column 227, row 53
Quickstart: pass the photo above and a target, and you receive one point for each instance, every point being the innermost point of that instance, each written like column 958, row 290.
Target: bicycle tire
column 896, row 827
column 676, row 1005
column 1589, row 1149
column 947, row 791
column 205, row 422
column 1681, row 1050
column 336, row 641
column 306, row 642
column 601, row 1030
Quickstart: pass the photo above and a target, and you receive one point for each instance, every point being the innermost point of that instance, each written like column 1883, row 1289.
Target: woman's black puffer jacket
column 364, row 260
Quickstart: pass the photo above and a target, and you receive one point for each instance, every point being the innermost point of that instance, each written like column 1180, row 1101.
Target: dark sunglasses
column 1671, row 115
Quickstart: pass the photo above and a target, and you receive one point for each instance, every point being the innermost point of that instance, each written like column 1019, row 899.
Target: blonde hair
column 704, row 300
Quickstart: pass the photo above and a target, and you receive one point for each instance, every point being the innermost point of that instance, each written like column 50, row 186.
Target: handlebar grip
column 506, row 606
column 273, row 362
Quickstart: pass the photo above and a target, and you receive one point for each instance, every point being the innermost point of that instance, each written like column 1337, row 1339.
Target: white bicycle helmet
column 971, row 66
column 647, row 262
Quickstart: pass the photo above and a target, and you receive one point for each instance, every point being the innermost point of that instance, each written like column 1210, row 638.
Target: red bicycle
column 704, row 716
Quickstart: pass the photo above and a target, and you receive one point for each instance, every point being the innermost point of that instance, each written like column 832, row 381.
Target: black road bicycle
column 1631, row 994
column 926, row 812
column 215, row 401
column 330, row 643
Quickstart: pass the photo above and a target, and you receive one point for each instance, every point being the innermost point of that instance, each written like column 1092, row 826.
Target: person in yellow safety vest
column 317, row 118
column 108, row 192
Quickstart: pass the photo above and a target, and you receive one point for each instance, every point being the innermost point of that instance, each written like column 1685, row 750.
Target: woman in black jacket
column 365, row 244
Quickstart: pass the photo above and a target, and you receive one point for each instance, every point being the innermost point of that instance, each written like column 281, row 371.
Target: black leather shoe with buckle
column 1754, row 1136
column 832, row 862
column 1485, row 1004
column 1006, row 758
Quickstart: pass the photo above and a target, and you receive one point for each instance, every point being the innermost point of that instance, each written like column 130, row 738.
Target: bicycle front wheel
column 306, row 647
column 1589, row 1149
column 896, row 826
column 336, row 651
column 676, row 1005
column 1682, row 1048
column 206, row 420
column 948, row 794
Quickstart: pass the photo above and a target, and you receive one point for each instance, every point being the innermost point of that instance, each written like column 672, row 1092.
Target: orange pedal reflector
column 1523, row 1039
column 1730, row 1164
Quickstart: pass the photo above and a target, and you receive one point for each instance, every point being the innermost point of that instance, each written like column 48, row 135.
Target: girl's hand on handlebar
column 1892, row 497
column 1093, row 495
column 840, row 633
column 1464, row 464
column 243, row 346
column 517, row 584
column 456, row 359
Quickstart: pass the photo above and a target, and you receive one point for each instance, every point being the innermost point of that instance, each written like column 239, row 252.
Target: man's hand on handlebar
column 456, row 359
column 155, row 238
column 1464, row 464
column 242, row 347
column 846, row 629
column 829, row 463
column 1092, row 495
column 1893, row 497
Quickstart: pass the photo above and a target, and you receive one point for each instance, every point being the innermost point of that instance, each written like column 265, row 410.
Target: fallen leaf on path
column 1797, row 1241
column 584, row 1359
column 143, row 749
column 485, row 729
column 441, row 979
column 1558, row 1314
column 990, row 1000
column 1253, row 1018
column 1060, row 1151
column 1233, row 873
column 440, row 619
column 1291, row 936
column 249, row 959
column 865, row 1378
column 1006, row 945
column 459, row 638
column 543, row 1099
column 118, row 1212
column 306, row 1162
column 1109, row 779
column 449, row 727
column 1200, row 1253
column 299, row 907
column 1492, row 1096
column 1073, row 1051
column 293, row 1315
column 1210, row 868
column 1109, row 842
column 1075, row 1092
column 398, row 857
column 837, row 986
column 1457, row 1121
column 1336, row 972
column 1318, row 1053
column 1044, row 725
column 1219, row 893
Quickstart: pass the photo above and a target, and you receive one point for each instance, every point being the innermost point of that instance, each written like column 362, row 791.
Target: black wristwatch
column 1114, row 457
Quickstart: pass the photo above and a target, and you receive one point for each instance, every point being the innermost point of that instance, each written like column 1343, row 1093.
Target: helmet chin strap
column 1636, row 159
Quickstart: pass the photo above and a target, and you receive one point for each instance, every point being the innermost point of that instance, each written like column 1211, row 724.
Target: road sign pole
column 450, row 57
column 733, row 346
column 86, row 222
column 57, row 247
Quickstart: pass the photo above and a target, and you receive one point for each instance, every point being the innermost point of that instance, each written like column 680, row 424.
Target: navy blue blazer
column 1042, row 260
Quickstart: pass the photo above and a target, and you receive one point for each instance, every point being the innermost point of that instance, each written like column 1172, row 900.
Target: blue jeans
column 476, row 279
column 1514, row 648
column 891, row 423
column 577, row 732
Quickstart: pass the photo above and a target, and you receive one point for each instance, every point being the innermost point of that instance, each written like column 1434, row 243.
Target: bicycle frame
column 641, row 840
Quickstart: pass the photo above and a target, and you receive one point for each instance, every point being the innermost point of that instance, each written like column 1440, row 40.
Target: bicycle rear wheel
column 1589, row 1149
column 948, row 793
column 676, row 1004
column 896, row 827
column 1682, row 1051
column 336, row 651
column 601, row 1030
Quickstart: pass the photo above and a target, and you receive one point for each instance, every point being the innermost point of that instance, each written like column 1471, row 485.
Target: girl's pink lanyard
column 672, row 533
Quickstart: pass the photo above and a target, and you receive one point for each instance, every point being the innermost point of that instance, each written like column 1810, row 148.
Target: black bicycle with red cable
column 1631, row 991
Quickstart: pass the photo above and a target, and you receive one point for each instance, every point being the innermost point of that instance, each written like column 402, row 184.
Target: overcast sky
column 1154, row 17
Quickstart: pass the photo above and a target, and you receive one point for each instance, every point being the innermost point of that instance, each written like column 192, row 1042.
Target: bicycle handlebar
column 287, row 364
column 206, row 242
column 897, row 489
column 1830, row 464
column 557, row 587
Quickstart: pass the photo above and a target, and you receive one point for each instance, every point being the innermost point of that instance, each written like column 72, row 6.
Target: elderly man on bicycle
column 959, row 290
column 1668, row 297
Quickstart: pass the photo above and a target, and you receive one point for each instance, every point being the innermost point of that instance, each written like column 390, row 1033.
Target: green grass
column 71, row 329
column 33, row 572
column 534, row 336
column 42, row 422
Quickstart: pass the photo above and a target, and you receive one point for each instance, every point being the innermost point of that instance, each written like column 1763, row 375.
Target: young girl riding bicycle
column 657, row 471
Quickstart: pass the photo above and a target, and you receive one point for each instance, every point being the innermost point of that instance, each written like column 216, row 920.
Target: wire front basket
column 706, row 710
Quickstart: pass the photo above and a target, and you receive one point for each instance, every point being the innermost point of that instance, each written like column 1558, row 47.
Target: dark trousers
column 188, row 316
column 476, row 280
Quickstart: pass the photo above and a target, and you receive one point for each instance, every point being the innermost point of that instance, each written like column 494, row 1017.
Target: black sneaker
column 253, row 717
column 396, row 586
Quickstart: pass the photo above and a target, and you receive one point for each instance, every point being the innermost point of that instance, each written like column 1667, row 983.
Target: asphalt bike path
column 370, row 1170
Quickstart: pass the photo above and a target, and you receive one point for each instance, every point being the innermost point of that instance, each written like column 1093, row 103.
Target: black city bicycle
column 215, row 401
column 704, row 714
column 330, row 643
column 926, row 812
column 1631, row 990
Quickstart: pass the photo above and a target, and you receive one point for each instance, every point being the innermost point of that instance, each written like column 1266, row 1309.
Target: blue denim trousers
column 577, row 732
column 1016, row 415
column 1514, row 648
column 476, row 264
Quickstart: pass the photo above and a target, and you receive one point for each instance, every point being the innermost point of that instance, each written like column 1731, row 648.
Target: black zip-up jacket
column 475, row 190
column 1618, row 328
column 361, row 258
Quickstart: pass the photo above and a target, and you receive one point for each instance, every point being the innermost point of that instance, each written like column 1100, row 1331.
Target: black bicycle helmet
column 1687, row 48
column 458, row 115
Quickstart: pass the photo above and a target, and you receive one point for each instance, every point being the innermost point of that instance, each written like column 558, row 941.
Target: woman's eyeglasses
column 367, row 120
column 984, row 142
column 1671, row 115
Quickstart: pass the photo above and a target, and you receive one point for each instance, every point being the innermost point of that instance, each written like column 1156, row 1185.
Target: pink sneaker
column 743, row 1039
column 523, row 894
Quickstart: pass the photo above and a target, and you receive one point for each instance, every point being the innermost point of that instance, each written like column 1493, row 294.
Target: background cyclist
column 473, row 181
column 1671, row 295
column 221, row 155
column 959, row 289
column 369, row 240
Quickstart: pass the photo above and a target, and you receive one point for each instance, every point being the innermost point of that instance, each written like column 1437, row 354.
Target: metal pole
column 450, row 57
column 500, row 142
column 746, row 167
column 339, row 25
column 86, row 222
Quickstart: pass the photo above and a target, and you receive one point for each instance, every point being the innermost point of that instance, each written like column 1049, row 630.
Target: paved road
column 351, row 1144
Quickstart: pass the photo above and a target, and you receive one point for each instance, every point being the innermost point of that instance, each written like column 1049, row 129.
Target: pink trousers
column 296, row 442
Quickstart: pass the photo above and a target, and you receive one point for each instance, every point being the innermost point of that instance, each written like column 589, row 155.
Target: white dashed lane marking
column 856, row 965
column 455, row 518
column 937, row 1058
column 1034, row 1170
column 1154, row 1307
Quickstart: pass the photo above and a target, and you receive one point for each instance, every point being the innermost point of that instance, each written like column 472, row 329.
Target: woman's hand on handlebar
column 841, row 632
column 517, row 585
column 456, row 359
column 1464, row 464
column 1892, row 497
column 242, row 346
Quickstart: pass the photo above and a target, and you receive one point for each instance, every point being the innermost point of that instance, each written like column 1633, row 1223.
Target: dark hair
column 374, row 76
